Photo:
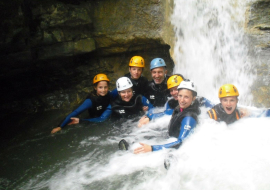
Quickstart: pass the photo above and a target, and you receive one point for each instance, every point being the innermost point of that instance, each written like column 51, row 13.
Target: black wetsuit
column 99, row 109
column 177, row 117
column 122, row 109
column 139, row 85
column 218, row 113
column 158, row 94
column 99, row 104
column 183, row 121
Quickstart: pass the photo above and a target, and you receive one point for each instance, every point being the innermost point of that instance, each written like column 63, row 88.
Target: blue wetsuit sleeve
column 84, row 106
column 267, row 113
column 187, row 125
column 168, row 111
column 207, row 103
column 146, row 102
column 113, row 94
column 103, row 116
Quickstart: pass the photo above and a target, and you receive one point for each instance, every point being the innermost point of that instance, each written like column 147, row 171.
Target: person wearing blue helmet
column 157, row 92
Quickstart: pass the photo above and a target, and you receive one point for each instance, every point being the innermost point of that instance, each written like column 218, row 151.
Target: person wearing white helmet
column 172, row 83
column 184, row 118
column 157, row 91
column 127, row 104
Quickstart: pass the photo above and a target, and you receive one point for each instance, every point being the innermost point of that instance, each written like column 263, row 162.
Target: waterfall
column 210, row 46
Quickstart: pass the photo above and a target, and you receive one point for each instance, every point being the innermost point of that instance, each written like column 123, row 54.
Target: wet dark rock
column 258, row 31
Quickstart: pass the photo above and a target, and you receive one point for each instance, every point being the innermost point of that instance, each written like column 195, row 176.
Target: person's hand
column 143, row 149
column 74, row 120
column 145, row 108
column 143, row 121
column 244, row 112
column 56, row 130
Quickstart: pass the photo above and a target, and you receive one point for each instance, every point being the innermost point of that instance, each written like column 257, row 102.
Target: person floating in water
column 140, row 83
column 183, row 121
column 97, row 104
column 157, row 91
column 127, row 104
column 227, row 110
column 172, row 83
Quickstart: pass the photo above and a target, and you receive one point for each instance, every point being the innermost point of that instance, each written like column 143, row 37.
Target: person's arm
column 103, row 116
column 265, row 113
column 205, row 102
column 168, row 111
column 84, row 106
column 147, row 103
column 187, row 125
column 113, row 94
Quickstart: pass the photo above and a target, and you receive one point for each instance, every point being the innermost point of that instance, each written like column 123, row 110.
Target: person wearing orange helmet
column 172, row 84
column 97, row 104
column 140, row 83
column 226, row 110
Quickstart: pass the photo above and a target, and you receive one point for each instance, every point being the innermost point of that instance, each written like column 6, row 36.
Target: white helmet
column 187, row 84
column 123, row 83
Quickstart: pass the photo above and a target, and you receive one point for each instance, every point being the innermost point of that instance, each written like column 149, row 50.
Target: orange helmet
column 136, row 61
column 174, row 81
column 227, row 90
column 100, row 77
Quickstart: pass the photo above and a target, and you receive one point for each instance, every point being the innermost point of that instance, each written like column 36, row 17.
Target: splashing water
column 210, row 50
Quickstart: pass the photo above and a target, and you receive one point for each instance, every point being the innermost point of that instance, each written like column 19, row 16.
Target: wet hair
column 94, row 91
column 194, row 94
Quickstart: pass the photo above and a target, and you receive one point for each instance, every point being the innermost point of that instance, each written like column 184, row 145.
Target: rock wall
column 258, row 31
column 51, row 49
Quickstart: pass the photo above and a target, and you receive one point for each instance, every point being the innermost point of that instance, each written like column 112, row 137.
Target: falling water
column 210, row 50
column 210, row 46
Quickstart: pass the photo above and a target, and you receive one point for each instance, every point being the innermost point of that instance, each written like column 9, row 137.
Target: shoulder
column 144, row 79
column 91, row 96
column 127, row 75
column 189, row 121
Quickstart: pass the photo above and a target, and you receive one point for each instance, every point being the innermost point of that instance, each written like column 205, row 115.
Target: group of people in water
column 135, row 95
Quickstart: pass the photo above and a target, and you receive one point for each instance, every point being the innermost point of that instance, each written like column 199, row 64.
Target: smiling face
column 229, row 103
column 185, row 98
column 174, row 92
column 158, row 74
column 102, row 88
column 126, row 95
column 135, row 72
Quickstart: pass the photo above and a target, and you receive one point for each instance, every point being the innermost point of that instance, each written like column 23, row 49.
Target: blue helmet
column 157, row 62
